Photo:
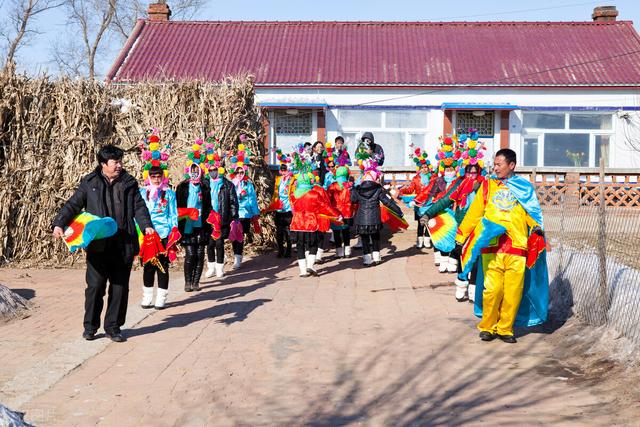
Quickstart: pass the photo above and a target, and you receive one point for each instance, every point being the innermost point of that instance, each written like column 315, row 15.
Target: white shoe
column 461, row 290
column 302, row 264
column 471, row 291
column 437, row 258
column 420, row 243
column 347, row 251
column 319, row 255
column 311, row 260
column 237, row 262
column 376, row 257
column 427, row 243
column 366, row 259
column 219, row 270
column 147, row 297
column 358, row 244
column 161, row 298
column 340, row 252
column 452, row 265
column 211, row 270
column 442, row 268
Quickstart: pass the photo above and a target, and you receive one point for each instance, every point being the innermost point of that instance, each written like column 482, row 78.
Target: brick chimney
column 159, row 11
column 604, row 13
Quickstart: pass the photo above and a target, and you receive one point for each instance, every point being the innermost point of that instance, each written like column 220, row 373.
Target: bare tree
column 90, row 20
column 93, row 22
column 16, row 29
column 129, row 11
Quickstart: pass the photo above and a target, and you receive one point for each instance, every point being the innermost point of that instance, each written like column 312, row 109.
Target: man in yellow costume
column 504, row 227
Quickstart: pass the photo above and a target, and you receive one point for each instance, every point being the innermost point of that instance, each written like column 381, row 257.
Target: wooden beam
column 447, row 128
column 322, row 129
column 504, row 129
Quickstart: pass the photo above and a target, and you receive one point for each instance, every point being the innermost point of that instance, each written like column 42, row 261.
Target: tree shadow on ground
column 227, row 312
column 368, row 387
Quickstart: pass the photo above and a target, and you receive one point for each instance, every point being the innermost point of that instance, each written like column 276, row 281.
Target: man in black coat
column 108, row 191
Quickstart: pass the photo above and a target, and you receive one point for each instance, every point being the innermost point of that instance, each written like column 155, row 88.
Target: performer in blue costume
column 504, row 224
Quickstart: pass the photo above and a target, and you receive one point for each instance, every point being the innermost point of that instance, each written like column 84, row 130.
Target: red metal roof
column 385, row 53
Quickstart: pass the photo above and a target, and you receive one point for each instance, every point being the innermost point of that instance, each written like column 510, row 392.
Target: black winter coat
column 368, row 196
column 182, row 197
column 227, row 203
column 121, row 200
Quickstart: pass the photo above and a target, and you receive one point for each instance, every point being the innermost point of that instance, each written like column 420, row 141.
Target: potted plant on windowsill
column 575, row 157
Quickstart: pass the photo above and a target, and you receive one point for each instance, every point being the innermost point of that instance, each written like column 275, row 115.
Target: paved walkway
column 387, row 345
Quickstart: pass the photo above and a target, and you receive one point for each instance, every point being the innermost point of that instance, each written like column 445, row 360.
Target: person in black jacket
column 375, row 150
column 367, row 221
column 108, row 191
column 224, row 201
column 194, row 192
column 318, row 159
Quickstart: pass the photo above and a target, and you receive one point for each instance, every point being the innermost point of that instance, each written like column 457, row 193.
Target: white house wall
column 622, row 153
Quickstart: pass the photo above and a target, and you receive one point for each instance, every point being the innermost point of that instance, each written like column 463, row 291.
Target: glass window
column 543, row 120
column 590, row 121
column 530, row 151
column 566, row 149
column 482, row 121
column 406, row 119
column 291, row 129
column 360, row 119
column 602, row 149
column 393, row 144
column 293, row 124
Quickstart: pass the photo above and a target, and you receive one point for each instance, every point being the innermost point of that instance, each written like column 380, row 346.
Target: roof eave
column 113, row 71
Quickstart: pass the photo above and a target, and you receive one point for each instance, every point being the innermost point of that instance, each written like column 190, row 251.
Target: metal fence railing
column 594, row 260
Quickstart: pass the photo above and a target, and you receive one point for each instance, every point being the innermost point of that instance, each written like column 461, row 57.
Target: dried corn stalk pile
column 50, row 131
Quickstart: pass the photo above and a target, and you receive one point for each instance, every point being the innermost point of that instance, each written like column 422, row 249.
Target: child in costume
column 161, row 203
column 341, row 151
column 310, row 205
column 247, row 199
column 281, row 205
column 504, row 224
column 447, row 182
column 224, row 208
column 462, row 197
column 421, row 182
column 194, row 194
column 340, row 197
column 324, row 226
column 368, row 220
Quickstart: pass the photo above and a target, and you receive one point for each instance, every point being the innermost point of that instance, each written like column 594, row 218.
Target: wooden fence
column 565, row 186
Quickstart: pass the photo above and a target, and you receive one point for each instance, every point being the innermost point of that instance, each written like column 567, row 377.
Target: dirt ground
column 387, row 345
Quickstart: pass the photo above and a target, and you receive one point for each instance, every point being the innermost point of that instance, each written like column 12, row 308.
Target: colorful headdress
column 241, row 158
column 473, row 150
column 214, row 155
column 368, row 164
column 420, row 158
column 303, row 167
column 195, row 156
column 328, row 154
column 283, row 158
column 153, row 155
column 449, row 153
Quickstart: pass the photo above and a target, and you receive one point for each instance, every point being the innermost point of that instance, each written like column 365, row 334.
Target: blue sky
column 36, row 57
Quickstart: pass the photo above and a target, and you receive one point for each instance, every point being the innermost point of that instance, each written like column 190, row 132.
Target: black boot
column 280, row 241
column 188, row 268
column 197, row 273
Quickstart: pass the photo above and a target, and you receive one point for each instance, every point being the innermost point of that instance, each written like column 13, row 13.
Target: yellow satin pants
column 503, row 284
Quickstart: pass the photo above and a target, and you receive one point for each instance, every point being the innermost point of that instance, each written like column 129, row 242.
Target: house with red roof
column 561, row 94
